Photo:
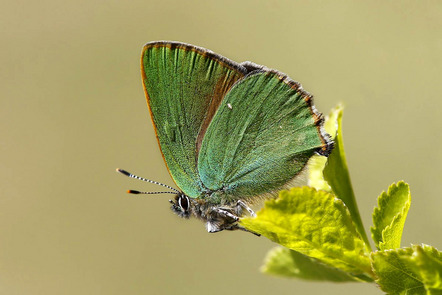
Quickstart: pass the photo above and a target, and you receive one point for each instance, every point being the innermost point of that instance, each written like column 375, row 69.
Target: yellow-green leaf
column 337, row 175
column 314, row 223
column 288, row 263
column 414, row 270
column 429, row 261
column 389, row 217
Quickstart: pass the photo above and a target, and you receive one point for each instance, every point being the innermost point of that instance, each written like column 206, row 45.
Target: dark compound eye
column 183, row 201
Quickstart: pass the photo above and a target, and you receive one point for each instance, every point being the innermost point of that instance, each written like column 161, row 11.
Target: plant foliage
column 323, row 237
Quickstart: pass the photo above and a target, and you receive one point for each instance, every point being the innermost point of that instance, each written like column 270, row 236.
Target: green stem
column 337, row 175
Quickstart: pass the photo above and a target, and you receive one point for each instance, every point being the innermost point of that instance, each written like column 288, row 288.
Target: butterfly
column 228, row 132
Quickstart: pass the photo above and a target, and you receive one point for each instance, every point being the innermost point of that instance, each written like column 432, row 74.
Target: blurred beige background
column 73, row 109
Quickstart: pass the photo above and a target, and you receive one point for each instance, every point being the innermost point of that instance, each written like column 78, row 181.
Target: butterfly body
column 216, row 216
column 228, row 132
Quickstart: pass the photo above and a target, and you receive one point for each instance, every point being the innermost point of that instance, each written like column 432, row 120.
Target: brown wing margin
column 327, row 143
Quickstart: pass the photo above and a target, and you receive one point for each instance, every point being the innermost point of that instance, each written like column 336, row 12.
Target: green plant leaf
column 337, row 175
column 396, row 275
column 389, row 217
column 314, row 223
column 429, row 261
column 317, row 163
column 316, row 179
column 414, row 270
column 284, row 262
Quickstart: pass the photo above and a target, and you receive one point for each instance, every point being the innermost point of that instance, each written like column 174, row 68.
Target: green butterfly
column 228, row 132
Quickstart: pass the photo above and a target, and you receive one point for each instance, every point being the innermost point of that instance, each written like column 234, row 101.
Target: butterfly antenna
column 147, row 193
column 124, row 172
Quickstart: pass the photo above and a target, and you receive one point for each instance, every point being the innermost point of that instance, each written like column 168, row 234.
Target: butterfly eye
column 183, row 201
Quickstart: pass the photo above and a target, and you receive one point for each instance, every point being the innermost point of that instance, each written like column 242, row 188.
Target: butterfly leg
column 217, row 226
column 219, row 219
column 226, row 213
column 237, row 227
column 244, row 205
column 213, row 227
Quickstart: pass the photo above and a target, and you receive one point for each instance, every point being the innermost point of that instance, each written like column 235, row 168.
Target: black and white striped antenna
column 128, row 174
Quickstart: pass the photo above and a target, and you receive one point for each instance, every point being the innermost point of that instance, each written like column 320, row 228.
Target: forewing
column 262, row 136
column 184, row 86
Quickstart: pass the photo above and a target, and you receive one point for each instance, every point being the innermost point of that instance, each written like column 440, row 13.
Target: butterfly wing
column 262, row 136
column 184, row 86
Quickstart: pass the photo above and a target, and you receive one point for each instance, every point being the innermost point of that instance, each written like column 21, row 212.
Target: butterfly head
column 181, row 205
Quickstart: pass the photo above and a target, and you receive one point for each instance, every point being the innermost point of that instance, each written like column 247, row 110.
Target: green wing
column 184, row 86
column 262, row 136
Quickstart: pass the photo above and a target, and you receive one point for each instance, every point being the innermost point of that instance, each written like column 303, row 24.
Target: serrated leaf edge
column 377, row 210
column 403, row 213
